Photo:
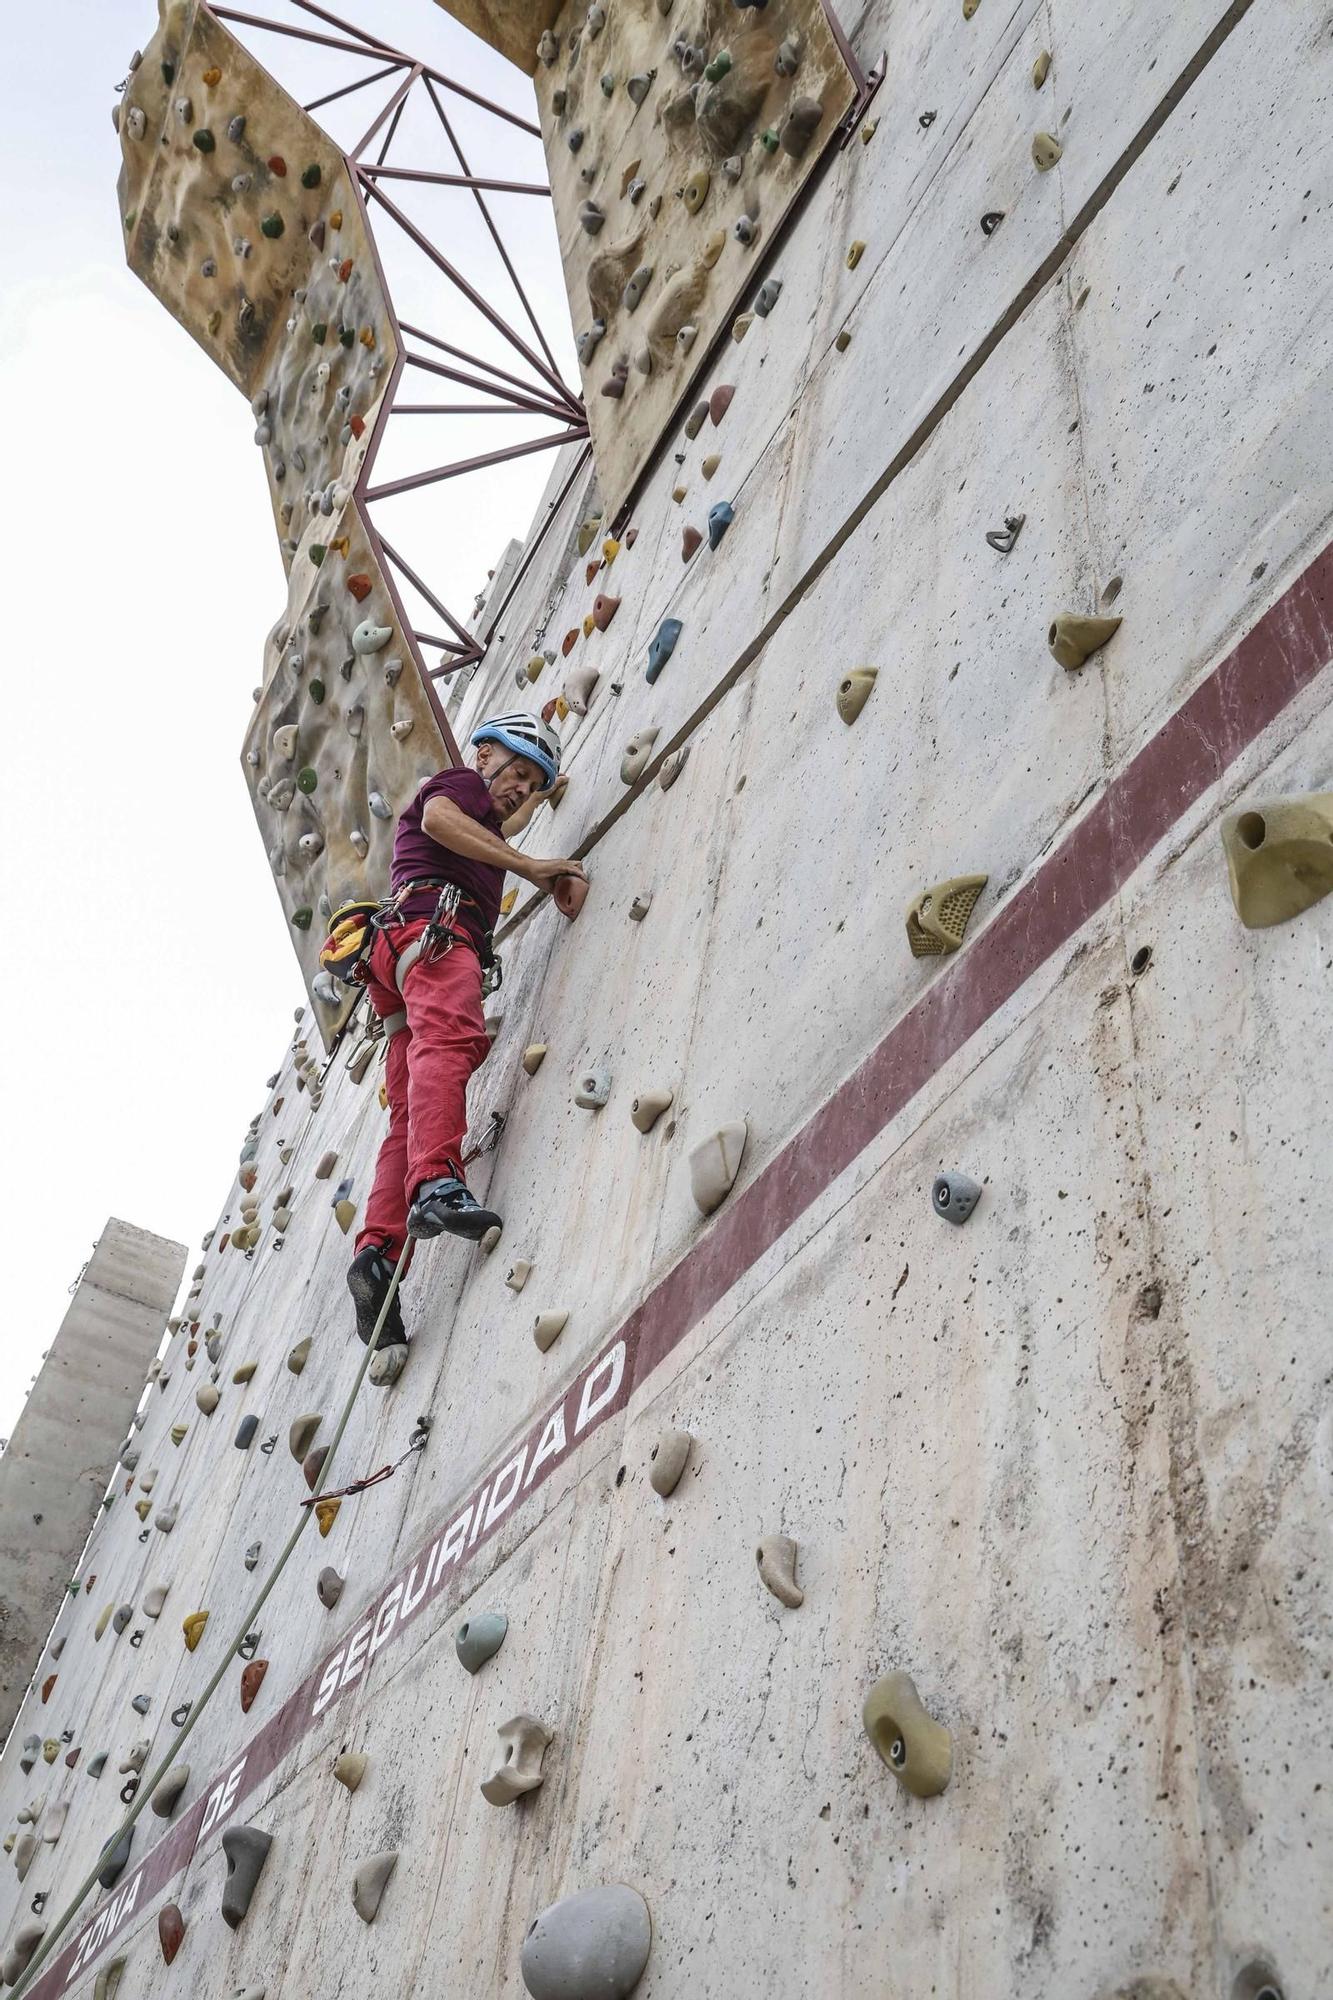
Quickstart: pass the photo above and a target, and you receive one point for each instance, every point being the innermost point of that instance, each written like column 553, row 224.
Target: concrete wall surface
column 56, row 1466
column 1070, row 1466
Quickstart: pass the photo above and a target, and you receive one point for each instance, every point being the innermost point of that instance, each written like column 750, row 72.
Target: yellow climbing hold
column 916, row 1748
column 507, row 901
column 345, row 1212
column 855, row 252
column 938, row 919
column 193, row 1628
column 326, row 1513
column 1046, row 150
column 1279, row 857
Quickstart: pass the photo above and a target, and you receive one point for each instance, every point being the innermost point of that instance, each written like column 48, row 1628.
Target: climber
column 423, row 973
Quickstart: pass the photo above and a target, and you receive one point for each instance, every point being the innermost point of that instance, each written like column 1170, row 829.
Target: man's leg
column 383, row 1231
column 448, row 1042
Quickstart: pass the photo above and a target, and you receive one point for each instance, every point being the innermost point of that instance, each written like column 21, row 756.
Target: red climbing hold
column 251, row 1681
column 344, row 270
column 360, row 587
column 356, row 425
column 277, row 165
column 689, row 542
column 548, row 709
column 720, row 401
column 604, row 610
column 170, row 1930
column 592, row 569
column 570, row 640
column 569, row 895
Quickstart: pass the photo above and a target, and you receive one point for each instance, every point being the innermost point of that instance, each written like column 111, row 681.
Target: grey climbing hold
column 206, row 1396
column 96, row 1765
column 715, row 1163
column 154, row 1600
column 720, row 519
column 954, row 1196
column 302, row 1434
column 114, row 1857
column 594, row 1943
column 388, row 1363
column 548, row 48
column 371, row 638
column 136, row 1758
column 767, row 296
column 594, row 1087
column 591, row 217
column 637, row 753
column 167, row 1793
column 246, row 1849
column 776, row 1557
column 380, row 806
column 328, row 1588
column 141, row 1704
column 32, row 1750
column 165, row 1518
column 479, row 1638
column 121, row 1618
column 253, row 1552
column 245, row 1433
column 25, row 1942
column 672, row 767
column 108, row 1979
column 648, row 1107
column 25, row 1853
column 523, row 1741
column 369, row 1883
column 638, row 85
column 548, row 1327
column 637, row 286
column 668, row 1460
column 662, row 647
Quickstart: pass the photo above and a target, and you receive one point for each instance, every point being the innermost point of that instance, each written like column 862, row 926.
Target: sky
column 153, row 983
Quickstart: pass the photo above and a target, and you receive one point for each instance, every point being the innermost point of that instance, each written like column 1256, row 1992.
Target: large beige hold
column 1279, row 857
column 523, row 1742
column 916, row 1748
column 715, row 1163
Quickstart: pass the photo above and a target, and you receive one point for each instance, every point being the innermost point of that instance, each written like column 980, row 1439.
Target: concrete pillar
column 58, row 1462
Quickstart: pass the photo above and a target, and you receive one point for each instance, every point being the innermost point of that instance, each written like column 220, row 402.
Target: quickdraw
column 417, row 1442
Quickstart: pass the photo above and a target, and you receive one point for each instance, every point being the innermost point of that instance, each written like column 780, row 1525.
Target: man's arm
column 461, row 834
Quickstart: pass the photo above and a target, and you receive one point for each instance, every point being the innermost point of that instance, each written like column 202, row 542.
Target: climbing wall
column 871, row 1533
column 240, row 216
column 678, row 139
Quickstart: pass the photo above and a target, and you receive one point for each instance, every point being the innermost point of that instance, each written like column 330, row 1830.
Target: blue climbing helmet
column 526, row 736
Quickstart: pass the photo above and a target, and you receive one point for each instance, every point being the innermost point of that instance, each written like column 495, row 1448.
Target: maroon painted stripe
column 1284, row 652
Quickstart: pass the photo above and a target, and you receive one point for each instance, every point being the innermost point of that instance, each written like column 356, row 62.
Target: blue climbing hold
column 663, row 646
column 720, row 519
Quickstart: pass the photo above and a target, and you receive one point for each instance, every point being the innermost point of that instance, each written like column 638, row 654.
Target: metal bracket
column 868, row 89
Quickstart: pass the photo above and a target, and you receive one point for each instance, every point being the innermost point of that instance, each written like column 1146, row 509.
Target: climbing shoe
column 446, row 1207
column 368, row 1279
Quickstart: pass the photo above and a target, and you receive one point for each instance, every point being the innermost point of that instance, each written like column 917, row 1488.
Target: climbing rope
column 149, row 1784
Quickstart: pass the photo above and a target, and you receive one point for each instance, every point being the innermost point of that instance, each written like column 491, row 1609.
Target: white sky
column 151, row 978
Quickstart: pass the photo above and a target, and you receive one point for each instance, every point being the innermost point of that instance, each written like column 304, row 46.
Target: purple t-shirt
column 416, row 857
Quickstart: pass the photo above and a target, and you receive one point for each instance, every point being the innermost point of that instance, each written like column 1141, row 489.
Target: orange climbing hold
column 360, row 587
column 569, row 895
column 344, row 270
column 251, row 1682
column 568, row 643
column 326, row 1513
column 50, row 1680
column 212, row 77
column 336, row 219
column 356, row 425
column 367, row 336
column 277, row 165
column 689, row 542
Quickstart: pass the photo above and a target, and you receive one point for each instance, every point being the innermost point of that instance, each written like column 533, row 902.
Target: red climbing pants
column 427, row 1069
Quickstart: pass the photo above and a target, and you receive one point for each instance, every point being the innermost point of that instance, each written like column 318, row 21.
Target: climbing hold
column 767, row 296
column 954, row 1196
column 143, row 1508
column 668, row 1460
column 916, row 1748
column 690, row 540
column 345, row 1213
column 636, row 287
column 123, row 1615
column 51, row 1749
column 710, row 464
column 107, row 1982
column 207, row 1398
column 170, row 1930
column 245, row 1371
column 1279, row 856
column 371, row 638
column 855, row 252
column 252, row 1678
column 533, row 1057
column 843, row 340
column 637, row 752
column 695, row 420
column 25, row 1942
column 548, row 1327
column 715, row 1163
column 695, row 191
column 360, row 587
column 326, row 1513
column 937, row 921
column 596, row 1942
column 277, row 165
column 272, row 225
column 604, row 610
column 379, row 805
column 580, row 687
column 369, row 1883
column 168, row 1790
column 662, row 647
column 720, row 519
column 970, row 8
column 640, row 906
column 638, row 85
column 115, row 1855
column 349, row 1768
column 154, row 1600
column 854, row 691
column 798, row 127
column 193, row 1628
column 720, row 401
column 387, row 1364
column 97, row 1764
column 648, row 1107
column 991, row 221
column 594, row 1087
column 328, row 1588
column 479, row 1638
column 574, row 138
column 1041, row 69
column 776, row 1557
column 672, row 767
column 1073, row 640
column 313, row 1464
column 591, row 217
column 165, row 1519
column 53, row 1825
column 548, row 48
column 569, row 895
column 246, row 1849
column 523, row 1740
column 302, row 1434
column 1046, row 150
column 1002, row 539
column 205, row 141
column 25, row 1853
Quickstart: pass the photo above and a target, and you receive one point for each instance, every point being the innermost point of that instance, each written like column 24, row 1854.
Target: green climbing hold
column 317, row 690
column 347, row 334
column 307, row 779
column 301, row 919
column 168, row 72
column 311, row 177
column 768, row 139
column 204, row 140
column 272, row 225
column 319, row 332
column 717, row 69
column 130, row 219
column 318, row 551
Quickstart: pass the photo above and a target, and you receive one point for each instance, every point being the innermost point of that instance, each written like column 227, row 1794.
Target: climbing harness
column 347, row 947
